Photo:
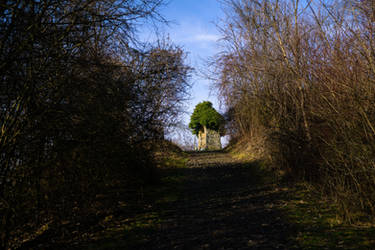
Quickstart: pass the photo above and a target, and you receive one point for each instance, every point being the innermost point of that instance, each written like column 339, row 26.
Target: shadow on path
column 216, row 203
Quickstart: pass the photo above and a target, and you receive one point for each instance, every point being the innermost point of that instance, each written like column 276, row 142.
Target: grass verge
column 319, row 226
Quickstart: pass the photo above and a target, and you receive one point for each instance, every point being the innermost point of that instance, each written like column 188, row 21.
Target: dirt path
column 216, row 202
column 224, row 205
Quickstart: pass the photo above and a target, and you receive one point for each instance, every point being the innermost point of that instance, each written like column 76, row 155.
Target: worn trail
column 217, row 202
column 223, row 204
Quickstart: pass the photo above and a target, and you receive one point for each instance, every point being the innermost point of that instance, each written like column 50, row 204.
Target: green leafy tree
column 205, row 115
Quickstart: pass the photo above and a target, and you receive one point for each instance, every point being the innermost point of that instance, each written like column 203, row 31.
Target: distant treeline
column 301, row 76
column 81, row 100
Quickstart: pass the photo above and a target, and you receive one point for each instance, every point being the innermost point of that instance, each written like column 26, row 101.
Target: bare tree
column 79, row 96
column 300, row 74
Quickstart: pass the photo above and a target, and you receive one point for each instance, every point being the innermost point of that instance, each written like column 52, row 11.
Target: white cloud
column 205, row 38
column 194, row 32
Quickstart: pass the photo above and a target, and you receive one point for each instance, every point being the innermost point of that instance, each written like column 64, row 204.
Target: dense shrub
column 301, row 75
column 81, row 100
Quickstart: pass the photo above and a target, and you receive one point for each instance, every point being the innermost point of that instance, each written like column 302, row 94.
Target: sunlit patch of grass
column 319, row 225
column 242, row 155
column 172, row 160
column 175, row 162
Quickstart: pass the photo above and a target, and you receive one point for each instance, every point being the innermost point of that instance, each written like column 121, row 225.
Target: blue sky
column 193, row 27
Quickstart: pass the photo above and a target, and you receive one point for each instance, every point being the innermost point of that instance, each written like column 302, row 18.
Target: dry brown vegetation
column 81, row 99
column 300, row 74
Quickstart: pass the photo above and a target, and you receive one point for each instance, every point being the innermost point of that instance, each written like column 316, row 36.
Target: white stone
column 209, row 139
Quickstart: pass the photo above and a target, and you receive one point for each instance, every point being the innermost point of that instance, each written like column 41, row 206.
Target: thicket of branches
column 301, row 75
column 80, row 103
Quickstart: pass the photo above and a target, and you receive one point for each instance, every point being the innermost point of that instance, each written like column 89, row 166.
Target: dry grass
column 302, row 76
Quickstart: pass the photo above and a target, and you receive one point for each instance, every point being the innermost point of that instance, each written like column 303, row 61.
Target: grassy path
column 216, row 202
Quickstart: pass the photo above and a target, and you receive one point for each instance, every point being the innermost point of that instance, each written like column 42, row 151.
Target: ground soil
column 226, row 204
column 214, row 202
column 218, row 202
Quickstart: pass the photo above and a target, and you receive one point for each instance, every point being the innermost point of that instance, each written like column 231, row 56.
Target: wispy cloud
column 206, row 38
column 194, row 31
